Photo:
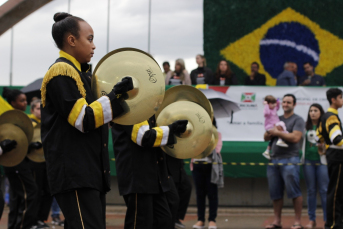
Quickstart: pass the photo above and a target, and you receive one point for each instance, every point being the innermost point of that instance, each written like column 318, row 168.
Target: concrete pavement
column 239, row 218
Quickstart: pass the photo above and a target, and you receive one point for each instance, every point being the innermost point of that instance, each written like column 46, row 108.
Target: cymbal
column 17, row 155
column 36, row 155
column 19, row 119
column 211, row 146
column 186, row 93
column 148, row 81
column 199, row 128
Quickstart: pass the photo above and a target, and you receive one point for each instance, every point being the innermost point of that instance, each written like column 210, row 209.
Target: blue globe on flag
column 288, row 41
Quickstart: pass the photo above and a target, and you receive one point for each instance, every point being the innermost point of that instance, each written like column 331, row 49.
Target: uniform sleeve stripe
column 136, row 129
column 140, row 134
column 98, row 113
column 79, row 120
column 340, row 143
column 334, row 133
column 165, row 135
column 317, row 137
column 159, row 136
column 76, row 110
column 162, row 135
column 106, row 108
column 331, row 120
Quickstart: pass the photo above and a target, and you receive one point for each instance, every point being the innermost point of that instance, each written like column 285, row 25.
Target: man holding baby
column 285, row 176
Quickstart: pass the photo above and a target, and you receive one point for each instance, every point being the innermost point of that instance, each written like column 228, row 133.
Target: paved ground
column 239, row 218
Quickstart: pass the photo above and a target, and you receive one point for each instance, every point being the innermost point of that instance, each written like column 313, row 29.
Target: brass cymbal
column 148, row 81
column 19, row 119
column 186, row 93
column 17, row 155
column 36, row 155
column 198, row 133
column 211, row 146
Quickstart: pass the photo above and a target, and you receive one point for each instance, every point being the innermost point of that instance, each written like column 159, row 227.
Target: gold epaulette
column 61, row 69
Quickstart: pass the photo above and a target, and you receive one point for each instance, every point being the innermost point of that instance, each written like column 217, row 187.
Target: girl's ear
column 71, row 40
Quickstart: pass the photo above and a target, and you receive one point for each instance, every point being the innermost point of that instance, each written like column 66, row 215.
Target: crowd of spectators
column 319, row 167
column 224, row 76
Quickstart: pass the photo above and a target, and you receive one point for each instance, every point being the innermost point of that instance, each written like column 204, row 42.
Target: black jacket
column 228, row 81
column 208, row 75
column 74, row 143
column 175, row 166
column 141, row 168
column 259, row 79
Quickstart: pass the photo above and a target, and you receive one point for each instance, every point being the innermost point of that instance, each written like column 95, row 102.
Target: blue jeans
column 284, row 176
column 317, row 179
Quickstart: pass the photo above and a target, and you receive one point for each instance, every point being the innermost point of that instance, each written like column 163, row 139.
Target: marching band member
column 74, row 130
column 183, row 186
column 329, row 132
column 5, row 146
column 142, row 171
column 44, row 199
column 23, row 188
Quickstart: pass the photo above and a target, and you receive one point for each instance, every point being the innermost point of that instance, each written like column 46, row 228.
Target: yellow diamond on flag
column 247, row 49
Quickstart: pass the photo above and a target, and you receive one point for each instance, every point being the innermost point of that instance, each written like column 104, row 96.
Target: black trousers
column 147, row 211
column 23, row 197
column 44, row 198
column 184, row 189
column 204, row 187
column 334, row 204
column 83, row 208
column 2, row 203
column 173, row 201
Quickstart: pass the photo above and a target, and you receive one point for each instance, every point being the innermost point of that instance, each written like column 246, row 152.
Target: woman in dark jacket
column 224, row 75
column 202, row 74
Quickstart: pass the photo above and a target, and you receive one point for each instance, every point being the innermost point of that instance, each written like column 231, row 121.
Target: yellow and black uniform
column 23, row 195
column 75, row 141
column 44, row 198
column 330, row 130
column 142, row 173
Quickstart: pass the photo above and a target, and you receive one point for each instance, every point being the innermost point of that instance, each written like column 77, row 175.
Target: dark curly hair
column 11, row 94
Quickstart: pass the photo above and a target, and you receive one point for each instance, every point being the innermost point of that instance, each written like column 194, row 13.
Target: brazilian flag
column 272, row 32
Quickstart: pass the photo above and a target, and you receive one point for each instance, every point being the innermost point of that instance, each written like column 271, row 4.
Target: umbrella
column 223, row 105
column 33, row 89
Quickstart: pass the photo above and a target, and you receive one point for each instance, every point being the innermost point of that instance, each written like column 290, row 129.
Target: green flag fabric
column 273, row 32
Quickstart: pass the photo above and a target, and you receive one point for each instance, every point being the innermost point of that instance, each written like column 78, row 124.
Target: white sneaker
column 198, row 227
column 266, row 154
column 281, row 143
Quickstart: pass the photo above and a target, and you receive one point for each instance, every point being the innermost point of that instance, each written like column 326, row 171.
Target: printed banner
column 248, row 123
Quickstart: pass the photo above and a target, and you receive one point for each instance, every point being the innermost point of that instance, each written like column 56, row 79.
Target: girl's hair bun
column 61, row 16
